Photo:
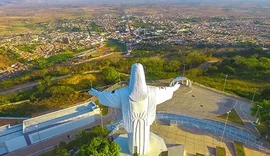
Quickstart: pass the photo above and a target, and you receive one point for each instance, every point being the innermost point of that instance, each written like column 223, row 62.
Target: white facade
column 46, row 126
column 15, row 143
column 62, row 128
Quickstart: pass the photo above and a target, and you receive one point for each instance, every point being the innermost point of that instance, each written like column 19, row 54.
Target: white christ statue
column 138, row 102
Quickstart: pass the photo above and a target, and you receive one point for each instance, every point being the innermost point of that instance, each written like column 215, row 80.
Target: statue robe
column 137, row 115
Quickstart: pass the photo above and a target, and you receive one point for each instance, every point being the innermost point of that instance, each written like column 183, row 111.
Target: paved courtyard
column 204, row 103
column 195, row 141
column 199, row 102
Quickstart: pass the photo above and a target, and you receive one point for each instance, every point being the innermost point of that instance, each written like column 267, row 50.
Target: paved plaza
column 195, row 141
column 212, row 128
column 199, row 102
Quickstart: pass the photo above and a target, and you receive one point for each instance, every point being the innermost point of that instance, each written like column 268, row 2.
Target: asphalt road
column 35, row 83
column 206, row 64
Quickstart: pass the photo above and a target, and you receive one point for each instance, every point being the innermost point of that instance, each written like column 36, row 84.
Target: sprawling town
column 132, row 29
column 126, row 78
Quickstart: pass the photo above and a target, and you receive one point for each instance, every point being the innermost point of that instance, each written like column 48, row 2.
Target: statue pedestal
column 157, row 145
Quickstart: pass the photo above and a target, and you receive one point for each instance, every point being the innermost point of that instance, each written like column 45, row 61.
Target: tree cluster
column 88, row 142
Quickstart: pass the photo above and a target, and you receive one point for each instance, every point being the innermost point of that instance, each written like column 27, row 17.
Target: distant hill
column 3, row 2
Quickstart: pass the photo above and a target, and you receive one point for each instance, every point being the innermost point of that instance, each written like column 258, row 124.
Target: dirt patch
column 11, row 122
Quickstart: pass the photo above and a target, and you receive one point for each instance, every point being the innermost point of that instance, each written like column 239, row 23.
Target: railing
column 215, row 128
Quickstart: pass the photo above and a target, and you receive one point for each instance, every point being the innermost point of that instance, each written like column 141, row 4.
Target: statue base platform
column 157, row 146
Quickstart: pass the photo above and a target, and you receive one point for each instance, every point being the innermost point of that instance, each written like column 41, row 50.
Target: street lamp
column 101, row 118
column 119, row 77
column 225, row 125
column 114, row 113
column 257, row 113
column 202, row 109
column 254, row 93
column 225, row 82
column 184, row 70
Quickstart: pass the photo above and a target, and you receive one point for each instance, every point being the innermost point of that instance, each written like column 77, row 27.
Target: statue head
column 137, row 83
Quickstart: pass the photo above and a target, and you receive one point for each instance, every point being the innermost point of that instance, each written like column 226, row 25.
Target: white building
column 44, row 127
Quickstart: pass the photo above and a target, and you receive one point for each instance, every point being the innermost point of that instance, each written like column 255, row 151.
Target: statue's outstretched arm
column 165, row 93
column 107, row 98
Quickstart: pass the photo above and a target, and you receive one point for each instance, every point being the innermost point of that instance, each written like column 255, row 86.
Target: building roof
column 57, row 117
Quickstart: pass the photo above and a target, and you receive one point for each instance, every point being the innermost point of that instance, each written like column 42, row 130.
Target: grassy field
column 239, row 149
column 237, row 86
column 5, row 62
column 27, row 47
column 117, row 45
column 25, row 18
column 220, row 151
column 233, row 117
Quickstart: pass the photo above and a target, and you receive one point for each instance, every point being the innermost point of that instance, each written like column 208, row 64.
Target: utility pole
column 225, row 82
column 184, row 70
column 101, row 119
column 257, row 113
column 225, row 125
column 202, row 109
column 254, row 93
column 119, row 77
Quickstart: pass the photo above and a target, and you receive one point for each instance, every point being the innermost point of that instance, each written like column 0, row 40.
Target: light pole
column 202, row 109
column 225, row 82
column 114, row 113
column 91, row 84
column 254, row 93
column 119, row 77
column 184, row 70
column 101, row 119
column 257, row 113
column 39, row 138
column 225, row 125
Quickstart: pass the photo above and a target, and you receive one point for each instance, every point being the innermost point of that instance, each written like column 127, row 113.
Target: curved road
column 35, row 83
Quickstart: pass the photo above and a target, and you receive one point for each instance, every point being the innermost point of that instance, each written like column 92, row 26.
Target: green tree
column 100, row 147
column 194, row 73
column 262, row 110
column 110, row 75
column 59, row 150
column 227, row 69
column 6, row 84
column 265, row 94
column 84, row 137
column 211, row 70
column 60, row 90
column 172, row 66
